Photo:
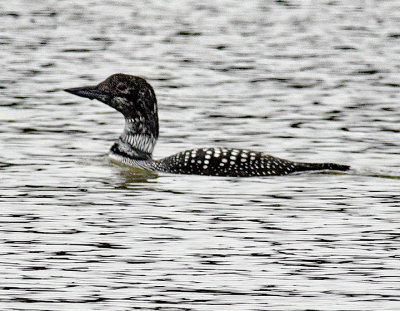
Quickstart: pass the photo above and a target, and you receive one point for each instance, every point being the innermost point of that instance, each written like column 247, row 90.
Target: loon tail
column 321, row 166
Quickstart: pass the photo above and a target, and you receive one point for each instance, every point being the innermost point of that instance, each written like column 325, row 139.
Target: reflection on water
column 304, row 81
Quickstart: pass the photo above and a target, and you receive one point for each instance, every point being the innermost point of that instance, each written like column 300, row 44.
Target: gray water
column 303, row 80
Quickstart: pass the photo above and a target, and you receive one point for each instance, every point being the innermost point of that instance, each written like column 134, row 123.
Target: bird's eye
column 121, row 86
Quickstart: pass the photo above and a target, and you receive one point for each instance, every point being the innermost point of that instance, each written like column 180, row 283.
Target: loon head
column 130, row 95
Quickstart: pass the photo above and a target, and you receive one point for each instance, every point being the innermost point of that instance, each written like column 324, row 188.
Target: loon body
column 136, row 100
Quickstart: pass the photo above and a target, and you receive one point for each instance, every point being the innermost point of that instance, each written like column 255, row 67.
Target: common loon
column 136, row 100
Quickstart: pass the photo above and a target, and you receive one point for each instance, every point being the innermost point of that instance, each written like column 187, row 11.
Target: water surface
column 307, row 81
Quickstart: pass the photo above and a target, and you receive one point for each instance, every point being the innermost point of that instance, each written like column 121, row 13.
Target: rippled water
column 308, row 81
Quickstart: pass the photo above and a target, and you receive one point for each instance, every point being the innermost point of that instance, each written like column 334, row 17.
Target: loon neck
column 137, row 141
